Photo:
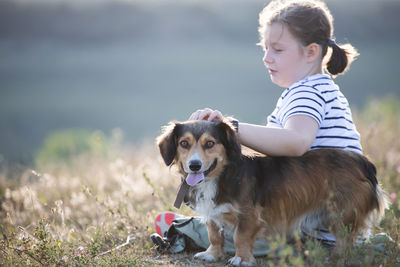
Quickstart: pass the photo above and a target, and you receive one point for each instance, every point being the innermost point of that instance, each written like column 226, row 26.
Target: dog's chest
column 202, row 200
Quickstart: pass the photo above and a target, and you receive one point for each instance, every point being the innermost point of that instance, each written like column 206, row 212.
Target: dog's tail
column 383, row 201
column 380, row 199
column 375, row 216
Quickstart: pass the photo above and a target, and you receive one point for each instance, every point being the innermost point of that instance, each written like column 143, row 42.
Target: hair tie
column 331, row 42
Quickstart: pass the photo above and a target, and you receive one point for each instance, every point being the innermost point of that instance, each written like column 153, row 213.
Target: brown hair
column 310, row 21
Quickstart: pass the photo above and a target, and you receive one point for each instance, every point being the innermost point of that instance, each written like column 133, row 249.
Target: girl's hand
column 207, row 114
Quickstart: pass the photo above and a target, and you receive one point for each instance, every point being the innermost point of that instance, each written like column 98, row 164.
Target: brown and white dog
column 259, row 195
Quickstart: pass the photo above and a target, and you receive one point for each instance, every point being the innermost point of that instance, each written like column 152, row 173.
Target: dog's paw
column 205, row 256
column 237, row 261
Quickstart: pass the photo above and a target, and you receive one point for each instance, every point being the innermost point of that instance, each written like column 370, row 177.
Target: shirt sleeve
column 304, row 100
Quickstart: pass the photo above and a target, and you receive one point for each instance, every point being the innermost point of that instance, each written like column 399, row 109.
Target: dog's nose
column 195, row 165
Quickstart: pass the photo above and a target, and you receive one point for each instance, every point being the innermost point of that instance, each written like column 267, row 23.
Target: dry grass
column 70, row 214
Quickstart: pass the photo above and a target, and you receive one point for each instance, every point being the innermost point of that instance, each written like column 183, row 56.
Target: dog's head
column 200, row 148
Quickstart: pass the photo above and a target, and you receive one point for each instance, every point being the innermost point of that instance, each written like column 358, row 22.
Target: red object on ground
column 163, row 222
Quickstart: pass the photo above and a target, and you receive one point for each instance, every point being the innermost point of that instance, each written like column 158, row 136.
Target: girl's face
column 285, row 57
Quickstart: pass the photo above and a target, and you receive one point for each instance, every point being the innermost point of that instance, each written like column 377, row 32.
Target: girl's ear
column 313, row 52
column 167, row 142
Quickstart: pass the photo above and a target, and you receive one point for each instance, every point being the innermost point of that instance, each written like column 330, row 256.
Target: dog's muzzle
column 196, row 177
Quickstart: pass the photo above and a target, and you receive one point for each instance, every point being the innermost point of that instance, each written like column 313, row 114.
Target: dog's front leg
column 216, row 249
column 244, row 237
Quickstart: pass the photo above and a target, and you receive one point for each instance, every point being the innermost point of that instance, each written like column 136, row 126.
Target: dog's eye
column 209, row 144
column 184, row 144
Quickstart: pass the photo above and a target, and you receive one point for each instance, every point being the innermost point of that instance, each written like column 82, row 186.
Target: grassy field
column 79, row 207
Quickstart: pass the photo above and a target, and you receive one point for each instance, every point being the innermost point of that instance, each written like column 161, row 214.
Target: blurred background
column 71, row 68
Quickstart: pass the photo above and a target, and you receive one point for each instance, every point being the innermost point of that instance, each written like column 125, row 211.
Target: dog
column 263, row 195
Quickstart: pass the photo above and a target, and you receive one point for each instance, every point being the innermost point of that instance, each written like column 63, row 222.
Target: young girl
column 312, row 112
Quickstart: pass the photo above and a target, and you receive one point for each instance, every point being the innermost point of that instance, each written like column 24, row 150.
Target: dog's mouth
column 194, row 178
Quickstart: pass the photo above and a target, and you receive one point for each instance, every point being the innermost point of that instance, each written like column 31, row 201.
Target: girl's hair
column 310, row 21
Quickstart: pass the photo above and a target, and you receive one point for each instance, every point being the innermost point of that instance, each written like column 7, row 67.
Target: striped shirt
column 318, row 97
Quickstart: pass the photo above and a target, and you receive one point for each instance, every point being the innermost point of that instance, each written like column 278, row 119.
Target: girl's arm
column 294, row 139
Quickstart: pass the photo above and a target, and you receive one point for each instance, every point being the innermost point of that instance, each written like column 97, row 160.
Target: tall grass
column 99, row 208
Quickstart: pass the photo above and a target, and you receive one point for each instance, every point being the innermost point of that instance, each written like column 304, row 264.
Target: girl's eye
column 184, row 144
column 210, row 144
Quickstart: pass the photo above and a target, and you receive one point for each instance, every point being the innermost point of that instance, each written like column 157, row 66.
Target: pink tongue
column 194, row 178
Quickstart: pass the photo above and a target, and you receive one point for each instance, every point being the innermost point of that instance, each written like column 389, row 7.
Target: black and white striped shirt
column 319, row 97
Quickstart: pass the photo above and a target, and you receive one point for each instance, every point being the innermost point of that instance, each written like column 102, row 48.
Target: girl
column 312, row 113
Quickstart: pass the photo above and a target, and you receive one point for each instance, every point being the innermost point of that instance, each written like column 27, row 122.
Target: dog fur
column 260, row 195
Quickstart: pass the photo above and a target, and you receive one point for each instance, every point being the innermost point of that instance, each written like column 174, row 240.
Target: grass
column 99, row 208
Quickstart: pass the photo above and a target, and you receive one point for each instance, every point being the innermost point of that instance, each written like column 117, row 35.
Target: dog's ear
column 230, row 140
column 167, row 142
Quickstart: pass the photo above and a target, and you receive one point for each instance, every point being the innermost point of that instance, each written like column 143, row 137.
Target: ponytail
column 341, row 58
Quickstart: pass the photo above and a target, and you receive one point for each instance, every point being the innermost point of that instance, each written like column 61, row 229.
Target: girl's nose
column 267, row 57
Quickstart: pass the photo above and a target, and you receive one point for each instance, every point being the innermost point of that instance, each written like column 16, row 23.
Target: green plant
column 65, row 145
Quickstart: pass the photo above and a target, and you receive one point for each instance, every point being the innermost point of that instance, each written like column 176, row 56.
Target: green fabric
column 196, row 231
